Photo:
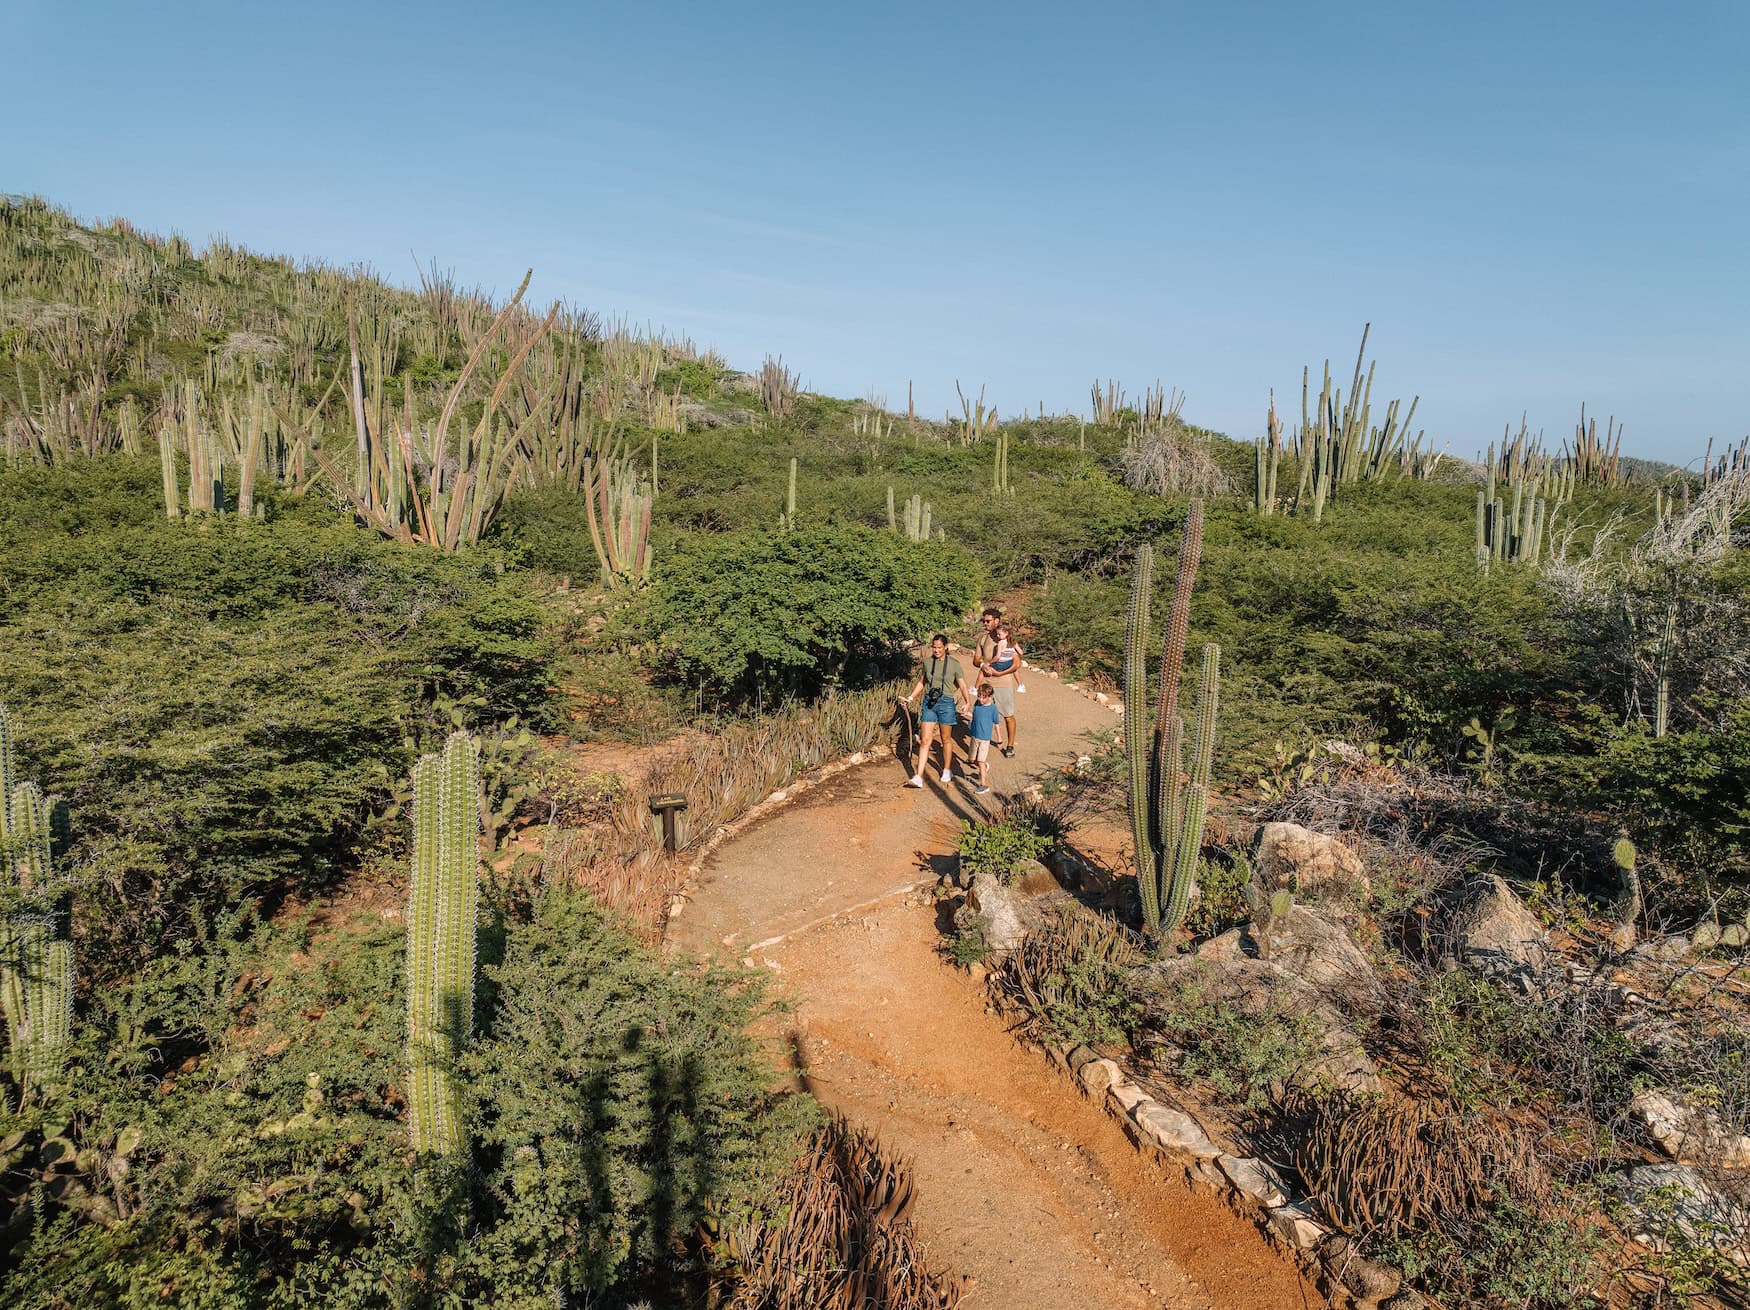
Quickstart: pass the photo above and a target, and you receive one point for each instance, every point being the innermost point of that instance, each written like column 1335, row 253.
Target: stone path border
column 1177, row 1139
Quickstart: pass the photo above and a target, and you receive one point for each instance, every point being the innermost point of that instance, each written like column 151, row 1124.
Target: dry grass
column 1385, row 1167
column 841, row 1237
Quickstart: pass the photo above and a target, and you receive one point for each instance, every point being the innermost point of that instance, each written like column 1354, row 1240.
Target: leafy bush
column 766, row 616
column 222, row 704
column 254, row 1082
column 1000, row 848
column 1246, row 1059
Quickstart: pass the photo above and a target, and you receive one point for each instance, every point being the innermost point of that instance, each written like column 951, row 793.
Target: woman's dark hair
column 938, row 637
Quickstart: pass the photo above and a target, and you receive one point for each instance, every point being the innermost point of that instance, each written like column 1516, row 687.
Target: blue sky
column 1535, row 204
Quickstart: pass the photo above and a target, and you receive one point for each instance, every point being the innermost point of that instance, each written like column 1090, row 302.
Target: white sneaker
column 1020, row 687
column 946, row 776
column 916, row 780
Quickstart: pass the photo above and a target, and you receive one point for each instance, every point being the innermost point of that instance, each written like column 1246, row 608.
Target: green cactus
column 1268, row 458
column 917, row 520
column 1167, row 801
column 892, row 520
column 787, row 520
column 36, row 948
column 1628, row 901
column 440, row 939
column 999, row 484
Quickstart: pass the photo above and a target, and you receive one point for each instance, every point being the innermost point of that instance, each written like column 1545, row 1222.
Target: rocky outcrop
column 1690, row 1133
column 1313, row 864
column 1002, row 916
column 1498, row 937
column 1315, row 968
column 1667, row 1201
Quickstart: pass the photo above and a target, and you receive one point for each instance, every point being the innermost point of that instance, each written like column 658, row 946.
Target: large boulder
column 1314, row 968
column 1288, row 855
column 1498, row 936
column 1003, row 916
column 1690, row 1133
column 1312, row 945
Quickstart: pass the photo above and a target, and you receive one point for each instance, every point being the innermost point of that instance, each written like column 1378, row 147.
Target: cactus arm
column 1177, row 893
column 1136, row 734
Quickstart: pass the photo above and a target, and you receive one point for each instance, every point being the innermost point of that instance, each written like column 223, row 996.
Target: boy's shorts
column 979, row 749
column 945, row 711
column 1003, row 693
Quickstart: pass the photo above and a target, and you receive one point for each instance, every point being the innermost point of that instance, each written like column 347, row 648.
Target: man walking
column 999, row 667
column 941, row 682
column 987, row 644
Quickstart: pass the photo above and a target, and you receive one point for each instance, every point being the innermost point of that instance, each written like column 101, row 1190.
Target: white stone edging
column 1251, row 1185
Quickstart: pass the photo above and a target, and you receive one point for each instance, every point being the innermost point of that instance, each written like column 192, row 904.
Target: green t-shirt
column 944, row 674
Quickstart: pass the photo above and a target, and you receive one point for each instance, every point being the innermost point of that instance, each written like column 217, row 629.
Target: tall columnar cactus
column 787, row 520
column 36, row 948
column 917, row 519
column 440, row 939
column 892, row 519
column 1167, row 799
column 1268, row 457
column 999, row 482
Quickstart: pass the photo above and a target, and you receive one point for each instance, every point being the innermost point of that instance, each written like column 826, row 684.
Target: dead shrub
column 1385, row 1168
column 837, row 1236
column 1170, row 459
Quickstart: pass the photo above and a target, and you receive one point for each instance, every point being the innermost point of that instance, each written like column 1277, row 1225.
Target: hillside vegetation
column 270, row 532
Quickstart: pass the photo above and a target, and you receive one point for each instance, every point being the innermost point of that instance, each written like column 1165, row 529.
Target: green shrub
column 767, row 616
column 999, row 849
column 1515, row 1259
column 1221, row 894
column 255, row 1080
column 223, row 704
column 1076, row 976
column 1245, row 1058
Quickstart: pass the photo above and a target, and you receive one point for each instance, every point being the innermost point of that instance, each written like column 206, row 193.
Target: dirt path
column 1023, row 1185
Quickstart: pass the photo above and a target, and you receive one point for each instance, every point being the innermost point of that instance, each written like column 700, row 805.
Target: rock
column 1408, row 1299
column 1690, row 1133
column 1670, row 1200
column 1002, row 916
column 1101, row 698
column 1667, row 1200
column 1315, row 947
column 1098, row 1075
column 1079, row 1056
column 697, row 415
column 1297, row 1223
column 1317, row 971
column 1255, row 1179
column 1174, row 1130
column 1126, row 1096
column 1034, row 879
column 1499, row 937
column 1368, row 1281
column 1288, row 855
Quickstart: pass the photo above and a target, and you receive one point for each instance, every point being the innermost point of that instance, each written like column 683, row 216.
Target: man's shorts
column 979, row 749
column 1003, row 693
column 944, row 711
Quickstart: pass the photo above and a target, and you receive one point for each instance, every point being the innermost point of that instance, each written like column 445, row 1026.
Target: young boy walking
column 984, row 728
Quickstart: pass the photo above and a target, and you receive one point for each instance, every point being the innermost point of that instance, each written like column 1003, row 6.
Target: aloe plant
column 1167, row 799
column 36, row 948
column 440, row 939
